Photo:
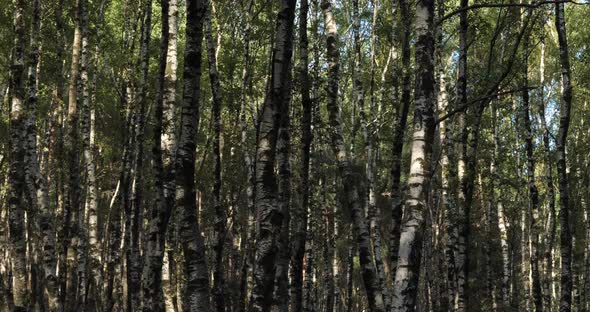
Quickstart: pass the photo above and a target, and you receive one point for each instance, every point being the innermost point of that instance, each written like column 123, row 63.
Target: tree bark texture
column 565, row 104
column 409, row 256
column 16, row 177
column 299, row 216
column 399, row 133
column 270, row 215
column 220, row 213
column 196, row 293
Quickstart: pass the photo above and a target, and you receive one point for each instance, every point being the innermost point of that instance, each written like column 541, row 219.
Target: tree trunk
column 565, row 304
column 398, row 136
column 16, row 177
column 72, row 189
column 311, row 245
column 329, row 247
column 350, row 275
column 408, row 268
column 465, row 187
column 499, row 216
column 533, row 192
column 299, row 216
column 153, row 275
column 134, row 257
column 56, row 159
column 270, row 215
column 196, row 293
column 448, row 179
column 91, row 204
column 36, row 182
column 220, row 213
column 168, row 144
column 309, row 262
column 551, row 224
column 246, row 277
column 84, row 103
column 352, row 200
column 281, row 291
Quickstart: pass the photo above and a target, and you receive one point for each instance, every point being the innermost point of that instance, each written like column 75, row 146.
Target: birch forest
column 294, row 155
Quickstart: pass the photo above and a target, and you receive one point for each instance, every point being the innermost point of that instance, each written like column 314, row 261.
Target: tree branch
column 504, row 5
column 489, row 96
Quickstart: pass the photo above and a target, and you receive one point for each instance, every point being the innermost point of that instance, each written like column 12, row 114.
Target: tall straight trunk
column 134, row 257
column 357, row 82
column 408, row 268
column 83, row 103
column 398, row 135
column 220, row 213
column 487, row 206
column 533, row 192
column 16, row 177
column 283, row 150
column 91, row 204
column 350, row 274
column 440, row 237
column 154, row 279
column 564, row 123
column 269, row 207
column 56, row 156
column 448, row 173
column 299, row 216
column 36, row 182
column 551, row 224
column 463, row 222
column 329, row 247
column 168, row 145
column 308, row 296
column 133, row 16
column 72, row 194
column 196, row 293
column 448, row 176
column 153, row 275
column 352, row 200
column 246, row 276
column 281, row 290
column 331, row 256
column 499, row 215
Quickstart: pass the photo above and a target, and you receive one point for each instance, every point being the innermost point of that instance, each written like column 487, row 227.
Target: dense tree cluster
column 287, row 156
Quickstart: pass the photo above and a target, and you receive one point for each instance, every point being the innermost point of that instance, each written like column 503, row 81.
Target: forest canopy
column 294, row 155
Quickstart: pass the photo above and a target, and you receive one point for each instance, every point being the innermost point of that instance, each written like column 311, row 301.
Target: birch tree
column 399, row 133
column 352, row 200
column 220, row 213
column 257, row 195
column 299, row 217
column 408, row 266
column 16, row 178
column 72, row 191
column 270, row 214
column 565, row 104
column 159, row 216
column 196, row 293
